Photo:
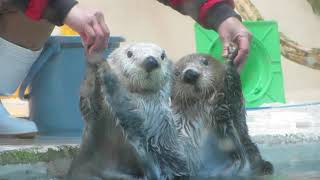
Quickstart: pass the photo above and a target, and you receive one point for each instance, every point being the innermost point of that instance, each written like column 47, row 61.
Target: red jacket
column 209, row 13
column 35, row 8
column 54, row 11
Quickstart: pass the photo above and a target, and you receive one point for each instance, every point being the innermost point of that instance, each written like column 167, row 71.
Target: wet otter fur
column 136, row 82
column 141, row 104
column 208, row 94
column 104, row 152
column 130, row 124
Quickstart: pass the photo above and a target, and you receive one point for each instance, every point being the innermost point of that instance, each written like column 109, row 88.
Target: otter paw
column 264, row 168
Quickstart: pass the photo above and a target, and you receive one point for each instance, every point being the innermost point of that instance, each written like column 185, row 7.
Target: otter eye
column 129, row 54
column 205, row 62
column 163, row 55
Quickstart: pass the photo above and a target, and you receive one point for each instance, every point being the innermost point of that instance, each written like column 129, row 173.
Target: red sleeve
column 208, row 5
column 209, row 13
column 175, row 3
column 36, row 8
column 203, row 8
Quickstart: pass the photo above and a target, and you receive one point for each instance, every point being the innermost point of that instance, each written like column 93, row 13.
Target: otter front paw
column 263, row 168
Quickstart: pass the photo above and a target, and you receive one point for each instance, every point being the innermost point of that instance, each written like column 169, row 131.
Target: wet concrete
column 294, row 119
column 296, row 161
column 293, row 161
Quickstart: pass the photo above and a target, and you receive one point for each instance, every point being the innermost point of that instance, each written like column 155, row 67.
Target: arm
column 58, row 10
column 225, row 130
column 130, row 119
column 121, row 102
column 209, row 13
column 89, row 24
column 55, row 11
column 217, row 15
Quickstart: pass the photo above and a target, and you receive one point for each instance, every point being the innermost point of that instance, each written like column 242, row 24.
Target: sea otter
column 133, row 87
column 140, row 99
column 208, row 94
column 104, row 152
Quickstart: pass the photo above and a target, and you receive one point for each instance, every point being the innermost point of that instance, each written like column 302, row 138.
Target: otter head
column 196, row 77
column 143, row 67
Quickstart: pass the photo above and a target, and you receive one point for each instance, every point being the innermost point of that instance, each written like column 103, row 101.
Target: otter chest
column 156, row 112
column 199, row 131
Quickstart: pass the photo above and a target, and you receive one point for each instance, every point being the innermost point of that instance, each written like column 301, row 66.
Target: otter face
column 197, row 76
column 142, row 66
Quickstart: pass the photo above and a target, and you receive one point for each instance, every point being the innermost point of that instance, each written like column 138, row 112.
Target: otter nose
column 191, row 76
column 150, row 63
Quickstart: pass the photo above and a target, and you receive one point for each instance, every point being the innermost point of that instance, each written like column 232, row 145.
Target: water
column 287, row 137
column 291, row 162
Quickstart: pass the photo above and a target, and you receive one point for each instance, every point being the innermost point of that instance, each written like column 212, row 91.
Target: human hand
column 91, row 27
column 233, row 31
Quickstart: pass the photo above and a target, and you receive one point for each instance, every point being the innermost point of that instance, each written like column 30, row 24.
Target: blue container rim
column 76, row 40
column 54, row 45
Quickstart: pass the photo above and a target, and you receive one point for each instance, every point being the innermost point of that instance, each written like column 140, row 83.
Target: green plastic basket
column 262, row 79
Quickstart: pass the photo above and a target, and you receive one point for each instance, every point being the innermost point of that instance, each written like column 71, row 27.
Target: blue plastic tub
column 55, row 81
